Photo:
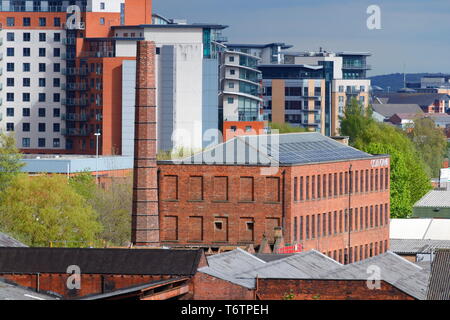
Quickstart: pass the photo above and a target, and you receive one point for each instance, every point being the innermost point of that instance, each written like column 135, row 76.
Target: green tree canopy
column 37, row 210
column 286, row 128
column 10, row 164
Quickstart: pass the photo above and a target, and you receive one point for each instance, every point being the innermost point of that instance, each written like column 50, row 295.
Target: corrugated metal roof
column 282, row 149
column 10, row 291
column 100, row 261
column 7, row 241
column 269, row 257
column 435, row 199
column 401, row 273
column 439, row 287
column 227, row 265
column 434, row 229
column 305, row 265
column 415, row 246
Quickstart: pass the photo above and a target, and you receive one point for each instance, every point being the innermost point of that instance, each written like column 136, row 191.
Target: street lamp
column 97, row 134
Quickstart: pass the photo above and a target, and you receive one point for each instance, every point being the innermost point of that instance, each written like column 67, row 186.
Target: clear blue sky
column 415, row 33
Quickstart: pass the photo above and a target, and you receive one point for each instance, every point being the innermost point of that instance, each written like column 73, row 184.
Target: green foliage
column 178, row 153
column 289, row 295
column 431, row 144
column 84, row 184
column 10, row 164
column 409, row 179
column 286, row 128
column 37, row 210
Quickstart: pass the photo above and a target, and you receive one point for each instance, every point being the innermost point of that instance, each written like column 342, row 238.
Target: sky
column 414, row 34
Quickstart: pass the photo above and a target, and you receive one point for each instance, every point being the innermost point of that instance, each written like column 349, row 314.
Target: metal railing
column 75, row 102
column 75, row 71
column 75, row 132
column 75, row 117
column 356, row 66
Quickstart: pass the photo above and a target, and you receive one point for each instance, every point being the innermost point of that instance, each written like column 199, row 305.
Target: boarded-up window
column 170, row 188
column 220, row 188
column 272, row 189
column 195, row 228
column 269, row 226
column 171, row 227
column 220, row 229
column 246, row 189
column 196, row 188
column 246, row 229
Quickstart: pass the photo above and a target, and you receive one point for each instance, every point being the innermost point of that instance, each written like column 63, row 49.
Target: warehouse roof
column 399, row 272
column 434, row 229
column 415, row 246
column 435, row 199
column 439, row 286
column 388, row 110
column 10, row 291
column 422, row 99
column 277, row 149
column 100, row 261
column 7, row 241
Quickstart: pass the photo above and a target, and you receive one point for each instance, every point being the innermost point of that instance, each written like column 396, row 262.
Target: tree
column 409, row 179
column 37, row 210
column 286, row 128
column 10, row 164
column 431, row 144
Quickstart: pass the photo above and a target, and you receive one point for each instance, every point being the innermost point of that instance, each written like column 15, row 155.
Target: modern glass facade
column 290, row 72
column 248, row 109
column 40, row 6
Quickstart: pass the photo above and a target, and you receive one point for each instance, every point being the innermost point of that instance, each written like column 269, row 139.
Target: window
column 42, row 37
column 41, row 82
column 10, row 67
column 10, row 112
column 230, row 100
column 232, row 72
column 10, row 52
column 10, row 82
column 26, row 112
column 307, row 228
column 307, row 188
column 56, row 112
column 102, row 6
column 26, row 52
column 26, row 127
column 231, row 59
column 295, row 190
column 57, row 22
column 313, row 187
column 301, row 189
column 9, row 126
column 25, row 142
column 56, row 97
column 41, row 52
column 341, row 88
column 41, row 112
column 10, row 97
column 56, row 67
column 56, row 143
column 26, row 67
column 102, row 20
column 56, row 127
column 26, row 82
column 56, row 52
column 26, row 21
column 301, row 229
column 26, row 36
column 57, row 37
column 41, row 127
column 10, row 21
column 10, row 36
column 41, row 142
column 231, row 85
column 42, row 22
column 56, row 82
column 41, row 97
column 295, row 228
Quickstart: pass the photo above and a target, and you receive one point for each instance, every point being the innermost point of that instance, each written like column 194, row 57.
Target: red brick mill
column 323, row 194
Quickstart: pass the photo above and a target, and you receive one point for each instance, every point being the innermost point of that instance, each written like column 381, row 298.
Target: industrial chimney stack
column 145, row 215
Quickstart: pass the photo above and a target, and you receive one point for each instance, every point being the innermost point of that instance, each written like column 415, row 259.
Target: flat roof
column 174, row 26
column 247, row 45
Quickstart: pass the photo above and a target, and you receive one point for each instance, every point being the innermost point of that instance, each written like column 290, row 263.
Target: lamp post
column 97, row 135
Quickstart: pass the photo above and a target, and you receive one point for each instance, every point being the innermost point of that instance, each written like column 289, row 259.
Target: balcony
column 74, row 86
column 68, row 56
column 75, row 71
column 75, row 102
column 69, row 41
column 98, row 54
column 75, row 132
column 353, row 92
column 349, row 66
column 75, row 117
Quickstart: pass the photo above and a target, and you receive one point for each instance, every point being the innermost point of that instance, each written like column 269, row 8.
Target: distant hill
column 395, row 80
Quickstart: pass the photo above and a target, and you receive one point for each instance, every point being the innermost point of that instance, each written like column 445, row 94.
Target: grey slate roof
column 7, row 241
column 100, row 261
column 227, row 265
column 439, row 286
column 415, row 246
column 10, row 291
column 283, row 149
column 399, row 272
column 269, row 257
column 435, row 198
column 388, row 110
column 422, row 99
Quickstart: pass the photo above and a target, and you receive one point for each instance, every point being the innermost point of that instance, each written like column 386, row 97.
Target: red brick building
column 325, row 195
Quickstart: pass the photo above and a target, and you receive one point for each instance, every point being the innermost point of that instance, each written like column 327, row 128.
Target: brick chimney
column 145, row 215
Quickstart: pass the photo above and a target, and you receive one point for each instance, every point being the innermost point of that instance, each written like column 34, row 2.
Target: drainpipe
column 283, row 204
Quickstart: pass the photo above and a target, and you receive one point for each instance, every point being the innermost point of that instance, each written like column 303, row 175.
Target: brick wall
column 207, row 287
column 276, row 289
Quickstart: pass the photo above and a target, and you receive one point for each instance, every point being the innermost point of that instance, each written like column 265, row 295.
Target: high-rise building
column 61, row 75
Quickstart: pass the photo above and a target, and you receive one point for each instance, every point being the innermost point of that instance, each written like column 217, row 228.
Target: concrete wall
column 128, row 106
